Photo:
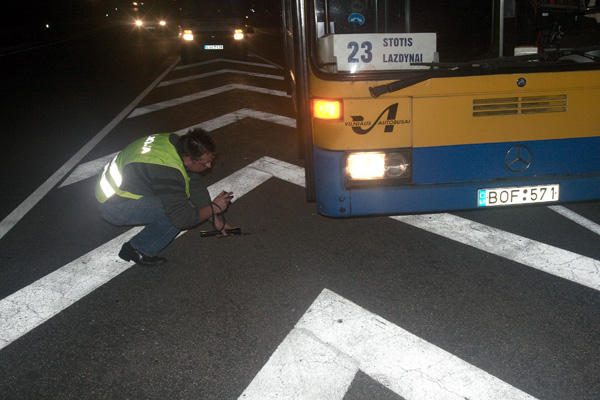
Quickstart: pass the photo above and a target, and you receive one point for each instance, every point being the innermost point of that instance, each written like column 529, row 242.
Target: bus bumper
column 334, row 199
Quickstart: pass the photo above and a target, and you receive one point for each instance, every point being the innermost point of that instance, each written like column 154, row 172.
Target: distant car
column 158, row 24
column 219, row 35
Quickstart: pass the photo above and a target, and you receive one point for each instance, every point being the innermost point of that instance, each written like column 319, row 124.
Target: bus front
column 437, row 106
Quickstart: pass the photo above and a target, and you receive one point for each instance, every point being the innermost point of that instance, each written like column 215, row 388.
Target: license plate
column 517, row 195
column 213, row 47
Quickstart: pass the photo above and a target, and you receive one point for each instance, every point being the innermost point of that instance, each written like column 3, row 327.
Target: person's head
column 197, row 150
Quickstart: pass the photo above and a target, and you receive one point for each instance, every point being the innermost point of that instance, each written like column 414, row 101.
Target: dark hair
column 195, row 143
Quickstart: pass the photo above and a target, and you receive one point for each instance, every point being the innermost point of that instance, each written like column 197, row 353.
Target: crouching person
column 155, row 182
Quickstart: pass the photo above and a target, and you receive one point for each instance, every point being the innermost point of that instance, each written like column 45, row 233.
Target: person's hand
column 224, row 230
column 219, row 223
column 222, row 201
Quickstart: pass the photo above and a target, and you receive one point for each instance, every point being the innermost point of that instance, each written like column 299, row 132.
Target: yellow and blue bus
column 408, row 107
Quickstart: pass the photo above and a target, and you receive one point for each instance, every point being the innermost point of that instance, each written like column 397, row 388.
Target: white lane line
column 578, row 219
column 218, row 72
column 336, row 338
column 18, row 213
column 218, row 60
column 31, row 306
column 93, row 168
column 200, row 95
column 553, row 260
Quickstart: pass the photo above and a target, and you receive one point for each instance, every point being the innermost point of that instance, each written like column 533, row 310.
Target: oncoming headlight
column 188, row 35
column 162, row 22
column 238, row 34
column 362, row 167
column 139, row 23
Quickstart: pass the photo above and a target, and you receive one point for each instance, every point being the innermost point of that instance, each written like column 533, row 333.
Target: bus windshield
column 382, row 35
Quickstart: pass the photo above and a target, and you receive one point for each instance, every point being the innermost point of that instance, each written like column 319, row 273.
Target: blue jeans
column 148, row 211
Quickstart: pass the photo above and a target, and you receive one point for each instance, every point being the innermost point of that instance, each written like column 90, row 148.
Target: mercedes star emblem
column 518, row 158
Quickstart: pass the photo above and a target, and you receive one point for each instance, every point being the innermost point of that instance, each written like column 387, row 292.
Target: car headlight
column 378, row 165
column 139, row 23
column 188, row 35
column 238, row 34
column 162, row 22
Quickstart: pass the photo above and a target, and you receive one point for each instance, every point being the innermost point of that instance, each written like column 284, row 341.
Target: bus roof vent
column 519, row 105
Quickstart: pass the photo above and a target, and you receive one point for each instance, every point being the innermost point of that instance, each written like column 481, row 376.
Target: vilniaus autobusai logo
column 362, row 127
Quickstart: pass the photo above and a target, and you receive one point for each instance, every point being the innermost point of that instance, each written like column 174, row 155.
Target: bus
column 428, row 106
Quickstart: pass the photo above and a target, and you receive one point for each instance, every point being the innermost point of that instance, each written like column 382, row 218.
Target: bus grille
column 519, row 105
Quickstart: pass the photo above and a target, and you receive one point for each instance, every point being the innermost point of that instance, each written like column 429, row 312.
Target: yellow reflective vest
column 153, row 149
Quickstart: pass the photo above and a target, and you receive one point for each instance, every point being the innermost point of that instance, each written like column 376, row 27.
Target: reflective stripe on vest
column 154, row 149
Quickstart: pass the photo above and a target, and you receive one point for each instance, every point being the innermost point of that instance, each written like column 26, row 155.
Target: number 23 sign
column 383, row 51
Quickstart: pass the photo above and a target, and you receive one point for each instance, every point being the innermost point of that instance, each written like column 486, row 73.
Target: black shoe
column 128, row 253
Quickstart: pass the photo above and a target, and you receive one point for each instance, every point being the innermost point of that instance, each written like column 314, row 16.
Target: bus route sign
column 383, row 51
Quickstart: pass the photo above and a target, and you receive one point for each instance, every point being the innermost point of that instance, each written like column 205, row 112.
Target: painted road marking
column 336, row 338
column 553, row 260
column 266, row 60
column 218, row 60
column 200, row 95
column 578, row 219
column 33, row 305
column 18, row 213
column 36, row 303
column 92, row 168
column 218, row 72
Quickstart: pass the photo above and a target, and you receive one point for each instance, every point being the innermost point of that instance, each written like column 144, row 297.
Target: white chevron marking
column 18, row 213
column 200, row 95
column 92, row 168
column 218, row 72
column 336, row 338
column 36, row 303
column 218, row 60
column 578, row 219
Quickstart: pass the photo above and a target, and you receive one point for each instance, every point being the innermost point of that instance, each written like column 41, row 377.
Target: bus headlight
column 378, row 165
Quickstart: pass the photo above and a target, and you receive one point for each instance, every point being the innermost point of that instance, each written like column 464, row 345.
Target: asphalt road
column 455, row 306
